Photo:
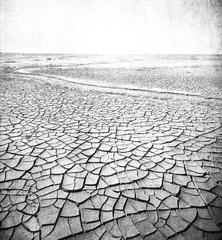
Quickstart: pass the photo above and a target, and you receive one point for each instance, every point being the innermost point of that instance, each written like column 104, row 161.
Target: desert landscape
column 110, row 147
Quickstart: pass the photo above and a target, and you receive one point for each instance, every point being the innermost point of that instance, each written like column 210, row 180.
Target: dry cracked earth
column 79, row 164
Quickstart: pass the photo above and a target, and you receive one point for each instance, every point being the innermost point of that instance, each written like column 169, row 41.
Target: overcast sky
column 111, row 26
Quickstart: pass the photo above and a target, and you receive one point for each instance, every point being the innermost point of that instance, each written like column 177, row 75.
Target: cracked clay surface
column 78, row 164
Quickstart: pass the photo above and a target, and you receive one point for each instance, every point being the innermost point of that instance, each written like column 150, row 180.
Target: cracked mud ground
column 78, row 164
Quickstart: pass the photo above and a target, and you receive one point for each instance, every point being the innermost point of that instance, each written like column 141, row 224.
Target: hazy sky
column 111, row 26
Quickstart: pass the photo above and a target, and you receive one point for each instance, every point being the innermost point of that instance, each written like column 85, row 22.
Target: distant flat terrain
column 202, row 80
column 195, row 74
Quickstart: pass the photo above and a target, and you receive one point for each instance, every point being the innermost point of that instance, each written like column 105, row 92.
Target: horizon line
column 57, row 53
